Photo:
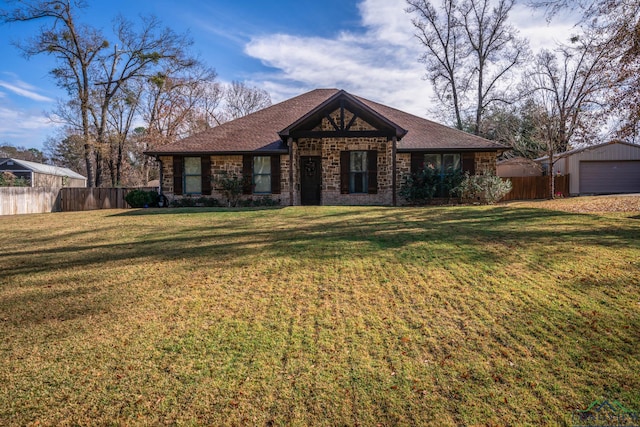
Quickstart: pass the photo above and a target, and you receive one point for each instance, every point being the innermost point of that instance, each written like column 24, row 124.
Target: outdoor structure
column 609, row 168
column 40, row 175
column 324, row 147
column 518, row 166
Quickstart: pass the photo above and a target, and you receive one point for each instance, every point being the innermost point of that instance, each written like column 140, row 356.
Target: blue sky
column 285, row 47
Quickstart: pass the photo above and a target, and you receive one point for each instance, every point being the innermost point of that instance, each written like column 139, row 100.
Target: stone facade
column 328, row 149
column 485, row 162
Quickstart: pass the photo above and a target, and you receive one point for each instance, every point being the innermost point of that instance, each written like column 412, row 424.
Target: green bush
column 7, row 179
column 190, row 202
column 420, row 187
column 142, row 198
column 485, row 187
column 231, row 186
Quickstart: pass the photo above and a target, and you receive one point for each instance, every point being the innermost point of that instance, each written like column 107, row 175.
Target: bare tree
column 618, row 23
column 75, row 46
column 471, row 51
column 569, row 87
column 241, row 100
column 441, row 36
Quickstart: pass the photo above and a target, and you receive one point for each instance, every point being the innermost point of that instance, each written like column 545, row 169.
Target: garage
column 609, row 177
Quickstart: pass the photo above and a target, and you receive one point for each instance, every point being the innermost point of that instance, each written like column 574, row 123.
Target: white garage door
column 610, row 177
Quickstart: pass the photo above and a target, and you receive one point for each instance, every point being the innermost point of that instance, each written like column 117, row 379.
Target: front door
column 310, row 179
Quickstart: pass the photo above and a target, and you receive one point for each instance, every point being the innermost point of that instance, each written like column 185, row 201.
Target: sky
column 366, row 47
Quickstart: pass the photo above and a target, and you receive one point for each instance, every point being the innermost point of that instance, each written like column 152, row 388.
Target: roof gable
column 342, row 111
column 268, row 130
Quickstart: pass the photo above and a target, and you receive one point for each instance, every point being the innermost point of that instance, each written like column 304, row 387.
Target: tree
column 241, row 100
column 67, row 151
column 22, row 153
column 74, row 46
column 616, row 22
column 471, row 50
column 91, row 69
column 568, row 87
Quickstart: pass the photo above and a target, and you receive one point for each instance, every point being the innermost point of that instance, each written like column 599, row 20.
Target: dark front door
column 310, row 179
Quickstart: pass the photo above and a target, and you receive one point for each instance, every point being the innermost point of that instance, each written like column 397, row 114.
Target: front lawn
column 317, row 316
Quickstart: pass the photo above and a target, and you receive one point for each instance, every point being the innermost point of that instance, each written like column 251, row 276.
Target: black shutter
column 344, row 172
column 469, row 163
column 206, row 175
column 177, row 175
column 275, row 174
column 247, row 173
column 417, row 162
column 372, row 165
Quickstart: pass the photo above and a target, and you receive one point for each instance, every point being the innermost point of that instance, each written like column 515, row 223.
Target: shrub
column 7, row 179
column 485, row 187
column 142, row 198
column 422, row 186
column 230, row 186
column 189, row 202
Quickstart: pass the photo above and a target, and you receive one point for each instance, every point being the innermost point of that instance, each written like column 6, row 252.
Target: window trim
column 254, row 174
column 185, row 174
column 364, row 173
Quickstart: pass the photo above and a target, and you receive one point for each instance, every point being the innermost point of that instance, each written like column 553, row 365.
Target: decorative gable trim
column 306, row 126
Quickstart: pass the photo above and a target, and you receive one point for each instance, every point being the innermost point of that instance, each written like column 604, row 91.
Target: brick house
column 325, row 147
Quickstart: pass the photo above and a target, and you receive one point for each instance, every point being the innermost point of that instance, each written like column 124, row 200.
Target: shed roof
column 259, row 131
column 585, row 148
column 44, row 169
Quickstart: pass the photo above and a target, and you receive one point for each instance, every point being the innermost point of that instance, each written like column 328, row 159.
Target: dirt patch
column 587, row 204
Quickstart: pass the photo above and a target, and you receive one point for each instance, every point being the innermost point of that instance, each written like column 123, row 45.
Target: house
column 324, row 147
column 40, row 175
column 518, row 166
column 609, row 168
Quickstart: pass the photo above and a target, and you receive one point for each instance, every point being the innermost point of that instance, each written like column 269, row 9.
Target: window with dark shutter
column 275, row 174
column 206, row 175
column 469, row 163
column 177, row 175
column 372, row 171
column 417, row 162
column 247, row 168
column 344, row 172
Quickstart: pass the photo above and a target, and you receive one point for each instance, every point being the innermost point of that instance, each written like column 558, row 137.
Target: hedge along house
column 324, row 147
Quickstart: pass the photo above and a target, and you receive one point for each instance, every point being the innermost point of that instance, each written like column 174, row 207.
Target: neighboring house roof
column 518, row 161
column 44, row 169
column 266, row 130
column 588, row 147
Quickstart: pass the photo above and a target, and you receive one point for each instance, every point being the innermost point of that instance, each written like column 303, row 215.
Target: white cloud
column 24, row 128
column 24, row 89
column 541, row 34
column 380, row 64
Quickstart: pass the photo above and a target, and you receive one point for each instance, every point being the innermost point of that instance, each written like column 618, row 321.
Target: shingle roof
column 45, row 169
column 259, row 131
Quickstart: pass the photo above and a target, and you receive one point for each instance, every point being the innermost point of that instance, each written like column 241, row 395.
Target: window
column 443, row 164
column 358, row 176
column 262, row 174
column 192, row 175
column 359, row 172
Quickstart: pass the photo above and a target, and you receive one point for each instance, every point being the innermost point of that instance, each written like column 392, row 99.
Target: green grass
column 317, row 316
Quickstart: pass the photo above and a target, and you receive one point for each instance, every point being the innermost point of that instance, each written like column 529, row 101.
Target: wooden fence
column 88, row 199
column 25, row 200
column 536, row 187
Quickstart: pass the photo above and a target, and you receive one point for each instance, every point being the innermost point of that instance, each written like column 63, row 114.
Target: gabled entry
column 350, row 109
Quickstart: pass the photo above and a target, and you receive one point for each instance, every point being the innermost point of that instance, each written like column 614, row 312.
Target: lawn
column 508, row 315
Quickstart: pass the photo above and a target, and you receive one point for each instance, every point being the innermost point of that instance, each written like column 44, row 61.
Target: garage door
column 610, row 177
